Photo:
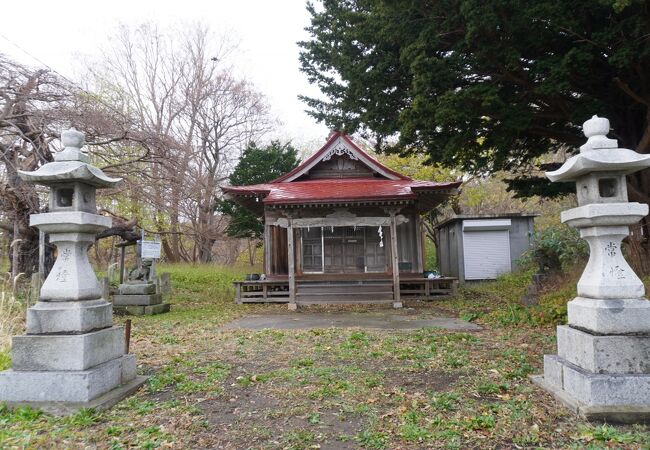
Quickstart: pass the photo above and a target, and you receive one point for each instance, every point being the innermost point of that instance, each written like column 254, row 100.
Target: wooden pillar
column 397, row 302
column 419, row 243
column 238, row 293
column 267, row 249
column 122, row 257
column 292, row 270
column 454, row 288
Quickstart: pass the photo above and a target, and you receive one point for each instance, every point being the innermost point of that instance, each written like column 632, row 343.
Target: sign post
column 150, row 250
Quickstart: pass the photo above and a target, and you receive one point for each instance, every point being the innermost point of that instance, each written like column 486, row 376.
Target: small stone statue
column 141, row 274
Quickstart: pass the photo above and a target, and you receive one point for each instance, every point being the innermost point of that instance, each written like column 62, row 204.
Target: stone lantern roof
column 599, row 154
column 70, row 165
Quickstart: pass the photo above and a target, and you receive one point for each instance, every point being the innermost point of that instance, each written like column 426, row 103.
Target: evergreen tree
column 257, row 165
column 484, row 86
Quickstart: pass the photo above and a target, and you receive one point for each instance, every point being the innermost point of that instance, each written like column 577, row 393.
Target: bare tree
column 181, row 91
column 30, row 108
column 35, row 104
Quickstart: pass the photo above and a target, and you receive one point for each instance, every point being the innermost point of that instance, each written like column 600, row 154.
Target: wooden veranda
column 338, row 291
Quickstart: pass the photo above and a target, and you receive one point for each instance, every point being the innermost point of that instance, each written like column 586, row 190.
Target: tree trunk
column 15, row 254
column 251, row 251
column 25, row 247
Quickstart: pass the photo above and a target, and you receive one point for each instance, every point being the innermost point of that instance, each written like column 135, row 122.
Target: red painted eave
column 438, row 186
column 253, row 189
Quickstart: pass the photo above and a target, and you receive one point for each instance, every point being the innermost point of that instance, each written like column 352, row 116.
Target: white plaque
column 150, row 249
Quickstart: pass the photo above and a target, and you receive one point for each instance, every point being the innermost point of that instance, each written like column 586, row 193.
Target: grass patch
column 372, row 439
column 301, row 389
column 499, row 302
column 5, row 359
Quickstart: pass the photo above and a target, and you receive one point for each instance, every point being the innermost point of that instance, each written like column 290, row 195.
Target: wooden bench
column 261, row 291
column 428, row 288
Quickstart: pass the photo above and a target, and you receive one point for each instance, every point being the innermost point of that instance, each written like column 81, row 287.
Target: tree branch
column 628, row 90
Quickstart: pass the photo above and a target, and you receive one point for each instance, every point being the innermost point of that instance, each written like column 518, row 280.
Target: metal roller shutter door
column 486, row 254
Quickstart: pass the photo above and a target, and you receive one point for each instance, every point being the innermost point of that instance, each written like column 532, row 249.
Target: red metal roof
column 387, row 185
column 338, row 190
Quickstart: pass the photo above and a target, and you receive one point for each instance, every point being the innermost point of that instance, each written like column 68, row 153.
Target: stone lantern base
column 71, row 358
column 602, row 369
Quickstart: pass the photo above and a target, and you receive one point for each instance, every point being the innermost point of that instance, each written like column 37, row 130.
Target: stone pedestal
column 602, row 367
column 72, row 356
column 138, row 298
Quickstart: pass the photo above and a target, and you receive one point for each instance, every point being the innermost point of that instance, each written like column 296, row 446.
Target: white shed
column 483, row 247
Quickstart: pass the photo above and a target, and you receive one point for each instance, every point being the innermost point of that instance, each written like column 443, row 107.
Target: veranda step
column 267, row 300
column 341, row 300
column 344, row 298
column 344, row 282
column 337, row 294
column 337, row 289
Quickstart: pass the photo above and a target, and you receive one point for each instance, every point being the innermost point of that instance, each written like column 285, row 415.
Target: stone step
column 69, row 317
column 137, row 300
column 66, row 385
column 143, row 310
column 66, row 352
column 137, row 289
column 604, row 354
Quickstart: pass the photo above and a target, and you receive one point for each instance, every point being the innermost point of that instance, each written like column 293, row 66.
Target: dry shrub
column 636, row 253
column 11, row 309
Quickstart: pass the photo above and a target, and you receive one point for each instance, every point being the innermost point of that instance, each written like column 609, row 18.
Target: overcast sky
column 56, row 32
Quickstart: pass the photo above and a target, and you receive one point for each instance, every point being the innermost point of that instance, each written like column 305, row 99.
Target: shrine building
column 342, row 228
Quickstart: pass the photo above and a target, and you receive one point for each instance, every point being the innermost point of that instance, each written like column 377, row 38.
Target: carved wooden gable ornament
column 340, row 157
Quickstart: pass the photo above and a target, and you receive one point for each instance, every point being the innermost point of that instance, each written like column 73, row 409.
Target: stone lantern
column 602, row 369
column 71, row 355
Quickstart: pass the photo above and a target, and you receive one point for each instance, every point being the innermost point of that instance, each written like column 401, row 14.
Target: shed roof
column 512, row 215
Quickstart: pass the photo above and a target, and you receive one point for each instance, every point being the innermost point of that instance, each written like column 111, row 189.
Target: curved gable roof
column 339, row 143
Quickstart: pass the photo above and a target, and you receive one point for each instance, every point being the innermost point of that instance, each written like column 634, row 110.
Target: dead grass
column 12, row 311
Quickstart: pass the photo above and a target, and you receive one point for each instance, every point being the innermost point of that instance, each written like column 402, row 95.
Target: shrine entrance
column 348, row 249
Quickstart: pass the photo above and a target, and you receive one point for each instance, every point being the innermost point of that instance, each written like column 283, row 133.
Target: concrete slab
column 604, row 354
column 101, row 403
column 137, row 300
column 617, row 316
column 69, row 386
column 623, row 414
column 388, row 320
column 137, row 289
column 143, row 310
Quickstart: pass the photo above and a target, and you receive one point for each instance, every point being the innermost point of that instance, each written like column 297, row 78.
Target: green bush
column 499, row 302
column 430, row 255
column 557, row 247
